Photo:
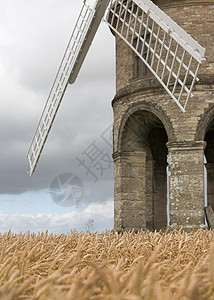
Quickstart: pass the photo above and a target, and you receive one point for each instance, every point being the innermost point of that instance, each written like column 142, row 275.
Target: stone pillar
column 186, row 183
column 129, row 190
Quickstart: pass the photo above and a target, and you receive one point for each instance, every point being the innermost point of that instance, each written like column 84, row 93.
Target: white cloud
column 99, row 208
column 102, row 214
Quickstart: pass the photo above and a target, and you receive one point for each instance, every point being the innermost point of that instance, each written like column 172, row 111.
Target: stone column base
column 129, row 190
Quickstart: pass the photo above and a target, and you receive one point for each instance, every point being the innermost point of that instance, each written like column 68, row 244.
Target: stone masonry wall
column 185, row 152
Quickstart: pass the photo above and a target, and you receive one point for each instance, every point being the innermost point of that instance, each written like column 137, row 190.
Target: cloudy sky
column 33, row 37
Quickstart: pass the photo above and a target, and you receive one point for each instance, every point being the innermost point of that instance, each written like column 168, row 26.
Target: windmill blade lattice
column 81, row 39
column 165, row 48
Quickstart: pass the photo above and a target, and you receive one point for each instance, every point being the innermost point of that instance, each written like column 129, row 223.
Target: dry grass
column 175, row 265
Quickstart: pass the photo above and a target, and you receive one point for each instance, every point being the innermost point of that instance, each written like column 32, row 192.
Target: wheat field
column 144, row 265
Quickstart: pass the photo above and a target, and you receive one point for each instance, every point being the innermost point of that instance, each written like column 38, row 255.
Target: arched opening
column 209, row 154
column 144, row 141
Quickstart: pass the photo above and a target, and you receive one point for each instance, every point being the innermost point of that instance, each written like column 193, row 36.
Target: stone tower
column 153, row 138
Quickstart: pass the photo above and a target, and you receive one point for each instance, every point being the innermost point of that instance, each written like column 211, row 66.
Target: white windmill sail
column 166, row 49
column 170, row 54
column 79, row 43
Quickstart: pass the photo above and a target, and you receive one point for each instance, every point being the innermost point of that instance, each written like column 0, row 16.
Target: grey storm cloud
column 33, row 37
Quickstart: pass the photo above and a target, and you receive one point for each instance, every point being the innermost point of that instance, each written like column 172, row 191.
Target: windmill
column 155, row 38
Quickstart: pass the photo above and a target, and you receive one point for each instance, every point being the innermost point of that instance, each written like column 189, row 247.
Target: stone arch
column 142, row 106
column 204, row 124
column 140, row 165
column 206, row 133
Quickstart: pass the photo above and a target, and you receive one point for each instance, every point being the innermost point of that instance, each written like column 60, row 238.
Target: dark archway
column 157, row 140
column 209, row 153
column 205, row 132
column 144, row 140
